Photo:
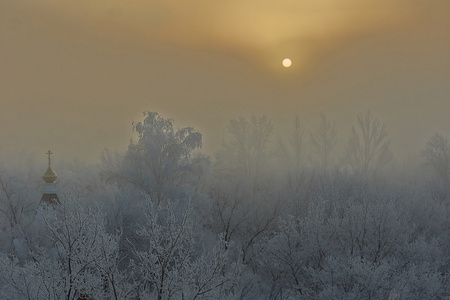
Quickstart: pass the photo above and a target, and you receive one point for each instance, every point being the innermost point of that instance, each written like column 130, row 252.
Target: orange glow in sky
column 75, row 74
column 258, row 30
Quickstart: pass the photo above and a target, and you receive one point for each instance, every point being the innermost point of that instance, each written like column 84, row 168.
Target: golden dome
column 49, row 176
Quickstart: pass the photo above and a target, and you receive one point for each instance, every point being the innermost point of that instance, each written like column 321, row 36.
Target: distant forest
column 296, row 216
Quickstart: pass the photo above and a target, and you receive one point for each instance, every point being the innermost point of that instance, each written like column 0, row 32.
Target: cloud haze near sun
column 261, row 31
column 74, row 74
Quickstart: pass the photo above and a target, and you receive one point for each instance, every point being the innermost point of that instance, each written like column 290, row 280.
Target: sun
column 287, row 62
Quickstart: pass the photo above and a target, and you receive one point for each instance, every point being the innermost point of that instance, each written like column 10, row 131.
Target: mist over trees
column 271, row 215
column 323, row 141
column 368, row 149
column 159, row 163
column 437, row 154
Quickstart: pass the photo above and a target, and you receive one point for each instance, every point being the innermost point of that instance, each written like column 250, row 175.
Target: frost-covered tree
column 76, row 257
column 167, row 227
column 347, row 249
column 241, row 215
column 18, row 200
column 173, row 264
column 160, row 162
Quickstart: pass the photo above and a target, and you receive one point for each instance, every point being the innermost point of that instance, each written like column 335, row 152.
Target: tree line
column 265, row 218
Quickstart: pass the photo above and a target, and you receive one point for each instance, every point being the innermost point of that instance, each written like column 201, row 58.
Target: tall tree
column 246, row 153
column 437, row 154
column 323, row 141
column 368, row 148
column 160, row 162
column 292, row 151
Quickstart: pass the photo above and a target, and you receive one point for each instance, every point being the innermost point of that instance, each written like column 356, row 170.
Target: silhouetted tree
column 293, row 150
column 437, row 154
column 246, row 153
column 323, row 140
column 368, row 149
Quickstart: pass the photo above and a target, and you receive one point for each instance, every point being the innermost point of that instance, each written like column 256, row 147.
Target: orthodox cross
column 49, row 153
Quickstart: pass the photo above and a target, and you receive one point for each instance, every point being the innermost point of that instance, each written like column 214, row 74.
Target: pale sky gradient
column 74, row 74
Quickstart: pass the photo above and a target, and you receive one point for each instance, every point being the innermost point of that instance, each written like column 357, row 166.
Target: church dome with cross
column 49, row 193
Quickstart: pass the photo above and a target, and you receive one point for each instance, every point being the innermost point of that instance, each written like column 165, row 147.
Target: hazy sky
column 74, row 74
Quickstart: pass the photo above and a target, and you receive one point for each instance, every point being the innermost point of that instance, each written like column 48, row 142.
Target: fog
column 300, row 215
column 76, row 74
column 192, row 165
